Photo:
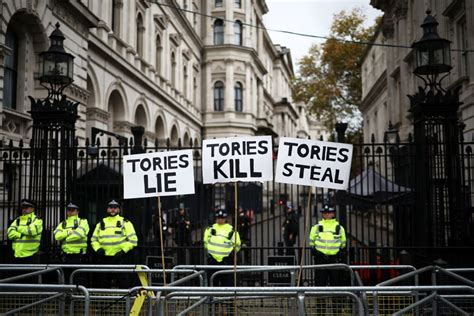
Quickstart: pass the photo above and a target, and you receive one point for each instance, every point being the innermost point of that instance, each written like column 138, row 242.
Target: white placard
column 237, row 159
column 314, row 163
column 158, row 174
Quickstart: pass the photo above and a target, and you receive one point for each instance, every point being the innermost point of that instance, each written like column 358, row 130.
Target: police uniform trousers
column 324, row 277
column 224, row 279
column 114, row 280
column 72, row 258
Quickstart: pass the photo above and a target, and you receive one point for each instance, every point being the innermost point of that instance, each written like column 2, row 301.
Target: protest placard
column 158, row 174
column 237, row 159
column 313, row 163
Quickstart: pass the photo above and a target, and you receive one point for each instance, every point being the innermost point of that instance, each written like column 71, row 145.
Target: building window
column 116, row 16
column 185, row 81
column 140, row 34
column 11, row 70
column 238, row 100
column 173, row 69
column 219, row 96
column 218, row 3
column 159, row 50
column 238, row 33
column 463, row 45
column 218, row 32
column 238, row 4
column 195, row 91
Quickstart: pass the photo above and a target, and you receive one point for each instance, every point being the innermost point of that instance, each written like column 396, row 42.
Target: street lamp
column 391, row 134
column 53, row 140
column 56, row 66
column 432, row 54
column 442, row 209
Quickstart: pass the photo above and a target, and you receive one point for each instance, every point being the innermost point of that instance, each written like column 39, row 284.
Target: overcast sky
column 309, row 17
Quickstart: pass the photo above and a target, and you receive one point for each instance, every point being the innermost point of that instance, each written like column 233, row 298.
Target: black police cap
column 327, row 208
column 113, row 203
column 27, row 203
column 72, row 206
column 221, row 213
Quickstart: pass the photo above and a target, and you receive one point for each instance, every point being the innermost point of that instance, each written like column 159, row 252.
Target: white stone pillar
column 248, row 89
column 208, row 102
column 229, row 85
column 228, row 25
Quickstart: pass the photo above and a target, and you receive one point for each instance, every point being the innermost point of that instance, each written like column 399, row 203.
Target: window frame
column 238, row 97
column 10, row 94
column 218, row 32
column 219, row 96
column 238, row 40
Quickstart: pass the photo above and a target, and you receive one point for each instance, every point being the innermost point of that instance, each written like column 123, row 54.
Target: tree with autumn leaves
column 329, row 79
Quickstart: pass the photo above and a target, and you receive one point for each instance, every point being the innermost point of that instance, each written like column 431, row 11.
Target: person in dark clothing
column 156, row 228
column 182, row 234
column 243, row 227
column 290, row 229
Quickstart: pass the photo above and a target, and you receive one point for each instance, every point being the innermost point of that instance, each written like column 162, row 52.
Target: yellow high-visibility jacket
column 72, row 233
column 25, row 232
column 114, row 234
column 325, row 238
column 220, row 241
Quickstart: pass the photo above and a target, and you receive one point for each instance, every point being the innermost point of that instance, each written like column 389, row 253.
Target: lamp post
column 53, row 149
column 391, row 134
column 56, row 66
column 432, row 54
column 439, row 202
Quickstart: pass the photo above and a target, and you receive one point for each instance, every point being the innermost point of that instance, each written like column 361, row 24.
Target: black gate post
column 53, row 159
column 53, row 149
column 441, row 210
column 341, row 138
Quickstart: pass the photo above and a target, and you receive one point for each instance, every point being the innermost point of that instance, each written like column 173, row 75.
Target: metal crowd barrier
column 177, row 298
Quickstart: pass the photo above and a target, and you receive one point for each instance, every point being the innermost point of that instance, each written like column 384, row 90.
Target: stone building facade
column 185, row 70
column 387, row 72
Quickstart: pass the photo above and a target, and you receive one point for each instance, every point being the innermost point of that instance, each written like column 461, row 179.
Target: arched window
column 11, row 70
column 218, row 32
column 173, row 69
column 238, row 33
column 140, row 34
column 238, row 99
column 159, row 50
column 140, row 117
column 238, row 4
column 219, row 96
column 218, row 3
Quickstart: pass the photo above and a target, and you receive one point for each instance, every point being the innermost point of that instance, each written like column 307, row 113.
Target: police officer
column 220, row 240
column 290, row 229
column 182, row 233
column 25, row 232
column 243, row 227
column 328, row 242
column 114, row 236
column 72, row 234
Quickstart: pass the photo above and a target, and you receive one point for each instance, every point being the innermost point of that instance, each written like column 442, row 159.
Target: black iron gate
column 380, row 215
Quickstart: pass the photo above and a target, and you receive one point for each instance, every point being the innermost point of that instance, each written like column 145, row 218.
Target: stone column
column 229, row 85
column 228, row 25
column 208, row 105
column 248, row 104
